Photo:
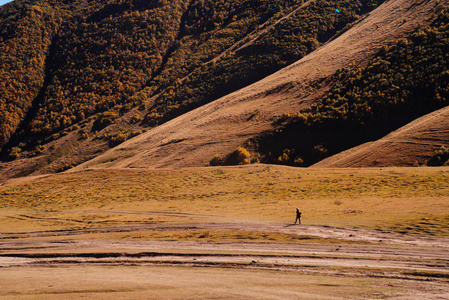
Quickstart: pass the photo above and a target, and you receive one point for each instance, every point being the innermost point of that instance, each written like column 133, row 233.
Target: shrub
column 284, row 158
column 117, row 139
column 243, row 156
column 289, row 157
column 105, row 119
column 40, row 149
column 298, row 161
column 440, row 158
column 14, row 153
column 320, row 151
column 240, row 156
column 136, row 119
column 217, row 160
column 66, row 166
column 84, row 134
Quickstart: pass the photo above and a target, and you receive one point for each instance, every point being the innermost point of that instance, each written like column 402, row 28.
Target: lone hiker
column 298, row 216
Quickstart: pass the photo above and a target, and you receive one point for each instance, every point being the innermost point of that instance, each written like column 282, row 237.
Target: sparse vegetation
column 116, row 138
column 390, row 199
column 84, row 134
column 240, row 156
column 289, row 157
column 217, row 160
column 406, row 81
column 104, row 119
column 14, row 153
column 136, row 119
column 440, row 158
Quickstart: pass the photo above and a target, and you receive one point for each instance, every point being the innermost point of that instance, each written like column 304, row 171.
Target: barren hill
column 413, row 143
column 219, row 127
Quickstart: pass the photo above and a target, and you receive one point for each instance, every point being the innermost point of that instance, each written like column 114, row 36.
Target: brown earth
column 54, row 263
column 412, row 144
column 226, row 233
column 221, row 126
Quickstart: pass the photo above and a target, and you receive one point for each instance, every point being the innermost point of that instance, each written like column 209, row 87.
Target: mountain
column 404, row 146
column 231, row 121
column 184, row 81
column 406, row 80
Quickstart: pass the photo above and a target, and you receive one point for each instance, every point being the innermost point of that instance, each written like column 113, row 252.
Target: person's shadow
column 289, row 225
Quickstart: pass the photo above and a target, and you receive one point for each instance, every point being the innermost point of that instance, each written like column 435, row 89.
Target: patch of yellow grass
column 384, row 198
column 20, row 221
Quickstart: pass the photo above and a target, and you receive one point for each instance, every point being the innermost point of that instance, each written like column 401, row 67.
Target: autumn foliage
column 405, row 81
column 65, row 61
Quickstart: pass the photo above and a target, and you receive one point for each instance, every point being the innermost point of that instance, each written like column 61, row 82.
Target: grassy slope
column 413, row 200
column 247, row 118
column 97, row 65
column 221, row 126
column 410, row 145
column 404, row 82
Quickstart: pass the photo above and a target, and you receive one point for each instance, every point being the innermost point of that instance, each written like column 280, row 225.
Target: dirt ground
column 226, row 233
column 121, row 262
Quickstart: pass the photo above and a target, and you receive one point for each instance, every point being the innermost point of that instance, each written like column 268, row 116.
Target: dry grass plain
column 215, row 233
column 394, row 199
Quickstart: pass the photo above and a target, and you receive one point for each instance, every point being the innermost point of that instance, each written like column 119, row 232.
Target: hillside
column 111, row 71
column 408, row 146
column 406, row 80
column 223, row 125
column 106, row 56
column 93, row 72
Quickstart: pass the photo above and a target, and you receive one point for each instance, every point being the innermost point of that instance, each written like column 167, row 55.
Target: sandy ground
column 354, row 264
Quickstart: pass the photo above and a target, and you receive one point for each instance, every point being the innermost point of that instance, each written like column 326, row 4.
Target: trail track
column 368, row 249
column 253, row 36
column 340, row 253
column 226, row 223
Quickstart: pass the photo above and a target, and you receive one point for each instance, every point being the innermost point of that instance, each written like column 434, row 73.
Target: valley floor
column 207, row 260
column 200, row 234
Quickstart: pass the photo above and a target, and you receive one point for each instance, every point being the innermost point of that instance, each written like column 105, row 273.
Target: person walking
column 298, row 216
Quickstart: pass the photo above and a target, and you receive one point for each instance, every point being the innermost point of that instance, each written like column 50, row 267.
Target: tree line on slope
column 404, row 82
column 26, row 32
column 108, row 55
column 289, row 41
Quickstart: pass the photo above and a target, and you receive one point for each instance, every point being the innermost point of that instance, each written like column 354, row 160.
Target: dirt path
column 227, row 223
column 342, row 254
column 253, row 36
column 370, row 249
